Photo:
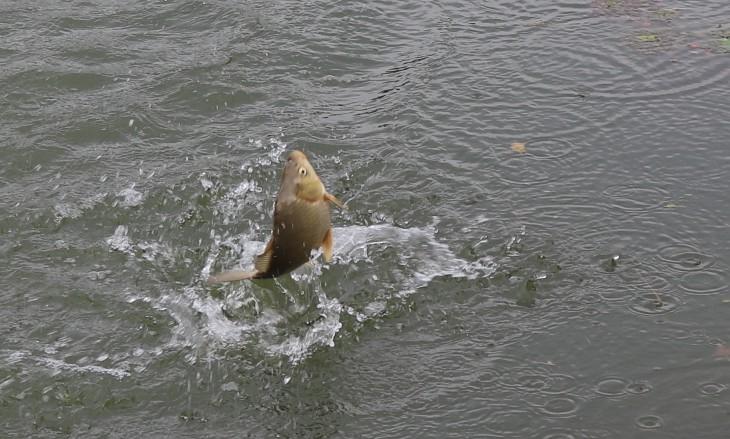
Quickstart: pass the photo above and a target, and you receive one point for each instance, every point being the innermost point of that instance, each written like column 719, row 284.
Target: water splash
column 130, row 197
column 321, row 333
column 203, row 321
column 119, row 241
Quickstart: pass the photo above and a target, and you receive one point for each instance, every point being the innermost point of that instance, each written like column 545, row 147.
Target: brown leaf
column 722, row 351
column 519, row 148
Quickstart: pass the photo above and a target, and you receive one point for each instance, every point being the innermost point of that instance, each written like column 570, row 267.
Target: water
column 574, row 289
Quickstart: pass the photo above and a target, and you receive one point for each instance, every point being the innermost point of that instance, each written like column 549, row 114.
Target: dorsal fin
column 262, row 262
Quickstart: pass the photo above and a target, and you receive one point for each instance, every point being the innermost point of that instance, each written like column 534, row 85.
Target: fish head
column 300, row 179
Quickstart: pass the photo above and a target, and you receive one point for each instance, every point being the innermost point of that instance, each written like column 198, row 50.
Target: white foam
column 130, row 197
column 62, row 365
column 321, row 333
column 58, row 365
column 119, row 241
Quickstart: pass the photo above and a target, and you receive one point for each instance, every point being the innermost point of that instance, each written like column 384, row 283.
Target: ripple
column 635, row 198
column 489, row 376
column 527, row 379
column 611, row 387
column 537, row 380
column 712, row 389
column 649, row 422
column 684, row 257
column 511, row 421
column 639, row 387
column 563, row 406
column 654, row 303
column 558, row 435
column 702, row 283
column 616, row 294
column 548, row 148
column 519, row 171
column 545, row 159
column 614, row 240
column 559, row 384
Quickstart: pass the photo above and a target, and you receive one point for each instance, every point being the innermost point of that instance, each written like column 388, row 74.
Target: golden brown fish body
column 301, row 223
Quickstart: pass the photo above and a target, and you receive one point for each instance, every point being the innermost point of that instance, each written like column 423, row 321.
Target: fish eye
column 302, row 172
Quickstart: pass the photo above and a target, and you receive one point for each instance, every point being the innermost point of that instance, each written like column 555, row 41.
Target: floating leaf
column 648, row 38
column 725, row 43
column 666, row 13
column 671, row 205
column 519, row 147
column 722, row 351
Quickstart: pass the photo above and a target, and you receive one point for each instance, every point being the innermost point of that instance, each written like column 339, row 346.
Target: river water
column 536, row 244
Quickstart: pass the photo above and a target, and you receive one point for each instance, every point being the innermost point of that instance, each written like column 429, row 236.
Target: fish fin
column 263, row 261
column 230, row 276
column 332, row 199
column 327, row 245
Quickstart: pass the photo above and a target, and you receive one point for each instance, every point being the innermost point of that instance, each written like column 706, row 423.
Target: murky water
column 536, row 244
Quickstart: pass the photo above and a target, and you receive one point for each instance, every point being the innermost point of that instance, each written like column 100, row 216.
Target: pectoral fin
column 328, row 245
column 332, row 199
column 230, row 276
column 263, row 261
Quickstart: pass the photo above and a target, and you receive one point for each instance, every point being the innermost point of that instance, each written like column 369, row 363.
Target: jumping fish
column 301, row 224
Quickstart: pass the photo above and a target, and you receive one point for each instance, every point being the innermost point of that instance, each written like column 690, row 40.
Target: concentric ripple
column 635, row 198
column 654, row 302
column 649, row 422
column 712, row 389
column 702, row 283
column 611, row 387
column 685, row 257
column 544, row 160
column 563, row 406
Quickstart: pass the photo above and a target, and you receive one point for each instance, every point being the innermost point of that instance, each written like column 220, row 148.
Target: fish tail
column 230, row 276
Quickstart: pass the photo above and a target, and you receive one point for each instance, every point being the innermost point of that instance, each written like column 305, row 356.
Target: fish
column 301, row 224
